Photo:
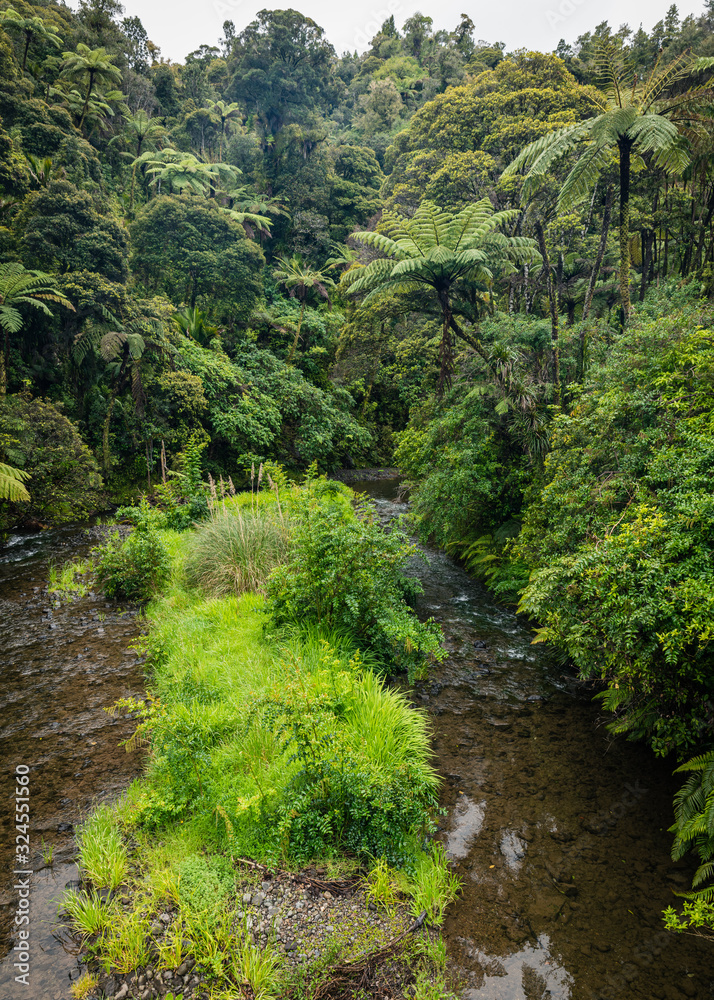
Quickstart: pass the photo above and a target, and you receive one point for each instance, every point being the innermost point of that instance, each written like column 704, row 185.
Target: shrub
column 138, row 567
column 237, row 550
column 619, row 539
column 345, row 571
column 36, row 438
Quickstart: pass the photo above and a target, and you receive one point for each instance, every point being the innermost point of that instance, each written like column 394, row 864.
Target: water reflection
column 467, row 820
column 529, row 974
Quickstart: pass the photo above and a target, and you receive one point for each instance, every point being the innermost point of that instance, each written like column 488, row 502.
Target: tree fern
column 694, row 820
column 634, row 118
column 11, row 483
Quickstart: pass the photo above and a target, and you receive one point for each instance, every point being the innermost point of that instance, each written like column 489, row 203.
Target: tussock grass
column 87, row 911
column 101, row 848
column 389, row 729
column 237, row 550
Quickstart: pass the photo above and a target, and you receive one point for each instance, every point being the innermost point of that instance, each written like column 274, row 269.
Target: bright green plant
column 382, row 887
column 696, row 918
column 433, row 886
column 102, row 852
column 88, row 912
column 344, row 571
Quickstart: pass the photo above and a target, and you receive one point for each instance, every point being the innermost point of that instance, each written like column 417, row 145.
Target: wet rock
column 479, row 644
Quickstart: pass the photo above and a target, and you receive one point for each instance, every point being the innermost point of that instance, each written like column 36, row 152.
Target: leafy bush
column 344, row 571
column 137, row 567
column 37, row 439
column 619, row 538
column 237, row 550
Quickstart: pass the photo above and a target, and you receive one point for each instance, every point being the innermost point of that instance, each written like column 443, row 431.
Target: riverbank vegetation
column 493, row 268
column 273, row 745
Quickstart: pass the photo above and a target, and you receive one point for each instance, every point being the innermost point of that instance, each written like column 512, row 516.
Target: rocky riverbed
column 307, row 927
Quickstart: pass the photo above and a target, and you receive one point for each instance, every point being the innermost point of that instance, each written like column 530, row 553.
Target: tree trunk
column 28, row 39
column 552, row 301
column 293, row 346
column 447, row 346
column 625, row 148
column 648, row 237
column 3, row 363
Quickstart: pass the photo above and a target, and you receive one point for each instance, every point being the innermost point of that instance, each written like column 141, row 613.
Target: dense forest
column 492, row 269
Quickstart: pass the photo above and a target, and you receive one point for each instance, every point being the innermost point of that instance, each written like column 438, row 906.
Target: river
column 558, row 831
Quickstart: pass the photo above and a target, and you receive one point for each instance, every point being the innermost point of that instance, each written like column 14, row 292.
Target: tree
column 20, row 287
column 441, row 251
column 634, row 119
column 281, row 72
column 191, row 250
column 299, row 281
column 32, row 29
column 94, row 66
column 224, row 113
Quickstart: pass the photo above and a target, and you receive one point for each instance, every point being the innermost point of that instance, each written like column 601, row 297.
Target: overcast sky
column 180, row 26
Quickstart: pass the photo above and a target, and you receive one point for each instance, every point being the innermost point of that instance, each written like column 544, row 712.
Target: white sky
column 180, row 26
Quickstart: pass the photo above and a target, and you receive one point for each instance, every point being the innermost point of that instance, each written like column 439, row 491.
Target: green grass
column 72, row 579
column 237, row 549
column 102, row 851
column 89, row 914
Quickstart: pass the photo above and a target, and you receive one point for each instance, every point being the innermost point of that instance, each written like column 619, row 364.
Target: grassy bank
column 281, row 832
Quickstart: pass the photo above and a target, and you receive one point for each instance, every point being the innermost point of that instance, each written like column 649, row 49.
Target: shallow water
column 62, row 663
column 558, row 831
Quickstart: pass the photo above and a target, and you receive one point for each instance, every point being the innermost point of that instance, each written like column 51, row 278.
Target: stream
column 62, row 662
column 557, row 830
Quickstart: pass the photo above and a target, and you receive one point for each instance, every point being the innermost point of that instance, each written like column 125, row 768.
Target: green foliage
column 11, row 483
column 618, row 537
column 345, row 571
column 38, row 440
column 694, row 828
column 193, row 252
column 204, row 884
column 135, row 568
column 695, row 918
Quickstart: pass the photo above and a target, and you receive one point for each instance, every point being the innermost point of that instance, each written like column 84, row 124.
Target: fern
column 11, row 483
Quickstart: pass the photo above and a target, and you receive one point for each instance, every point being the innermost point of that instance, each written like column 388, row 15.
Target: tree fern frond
column 581, row 179
column 555, row 143
column 11, row 483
